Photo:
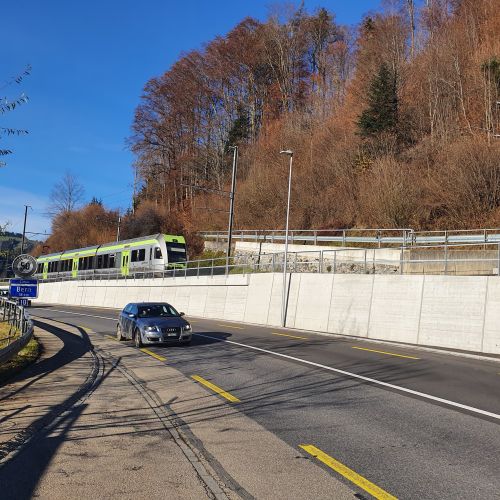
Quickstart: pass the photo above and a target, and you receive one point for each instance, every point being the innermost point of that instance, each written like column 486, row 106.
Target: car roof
column 148, row 303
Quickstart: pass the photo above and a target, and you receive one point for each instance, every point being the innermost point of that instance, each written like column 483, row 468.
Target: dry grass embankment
column 25, row 357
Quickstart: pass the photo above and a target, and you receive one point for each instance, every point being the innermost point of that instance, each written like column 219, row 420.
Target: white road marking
column 79, row 314
column 361, row 377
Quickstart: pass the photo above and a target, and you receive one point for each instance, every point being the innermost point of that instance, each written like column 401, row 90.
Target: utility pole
column 231, row 198
column 118, row 230
column 24, row 227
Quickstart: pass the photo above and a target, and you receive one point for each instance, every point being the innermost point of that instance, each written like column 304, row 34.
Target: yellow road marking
column 85, row 329
column 231, row 326
column 291, row 336
column 349, row 474
column 157, row 356
column 216, row 389
column 384, row 352
column 112, row 338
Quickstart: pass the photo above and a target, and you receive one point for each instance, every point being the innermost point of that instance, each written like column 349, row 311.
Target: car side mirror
column 131, row 315
column 182, row 314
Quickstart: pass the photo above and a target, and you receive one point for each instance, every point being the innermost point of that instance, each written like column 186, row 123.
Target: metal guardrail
column 466, row 259
column 376, row 237
column 20, row 329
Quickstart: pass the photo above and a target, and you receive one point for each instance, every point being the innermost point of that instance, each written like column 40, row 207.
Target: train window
column 99, row 262
column 142, row 255
column 111, row 260
column 134, row 256
column 157, row 253
column 105, row 261
column 150, row 253
column 176, row 252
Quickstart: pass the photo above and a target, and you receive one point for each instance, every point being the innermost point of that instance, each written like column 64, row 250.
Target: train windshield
column 176, row 252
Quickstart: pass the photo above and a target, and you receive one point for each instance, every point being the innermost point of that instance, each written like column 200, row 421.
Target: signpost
column 24, row 266
column 23, row 289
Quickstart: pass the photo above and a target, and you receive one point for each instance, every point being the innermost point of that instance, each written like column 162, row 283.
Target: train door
column 125, row 262
column 74, row 271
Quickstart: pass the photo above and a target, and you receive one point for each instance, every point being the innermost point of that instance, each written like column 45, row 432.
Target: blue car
column 148, row 323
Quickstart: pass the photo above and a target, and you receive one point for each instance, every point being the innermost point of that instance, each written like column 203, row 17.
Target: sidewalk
column 121, row 424
column 96, row 448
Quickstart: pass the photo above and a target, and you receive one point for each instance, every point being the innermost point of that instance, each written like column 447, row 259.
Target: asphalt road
column 414, row 422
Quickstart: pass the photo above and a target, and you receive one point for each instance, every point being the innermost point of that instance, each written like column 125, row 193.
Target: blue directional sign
column 25, row 289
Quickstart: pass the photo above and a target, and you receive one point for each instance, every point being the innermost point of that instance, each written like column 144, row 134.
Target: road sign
column 23, row 289
column 24, row 266
column 24, row 302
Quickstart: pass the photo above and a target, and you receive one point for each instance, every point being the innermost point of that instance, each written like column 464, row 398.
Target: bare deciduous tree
column 66, row 195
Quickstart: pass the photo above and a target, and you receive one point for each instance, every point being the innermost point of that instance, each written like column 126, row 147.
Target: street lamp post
column 231, row 204
column 288, row 152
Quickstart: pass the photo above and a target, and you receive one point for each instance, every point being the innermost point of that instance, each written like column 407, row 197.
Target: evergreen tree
column 240, row 130
column 382, row 112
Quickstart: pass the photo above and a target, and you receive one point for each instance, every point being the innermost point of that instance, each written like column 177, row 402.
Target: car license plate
column 172, row 334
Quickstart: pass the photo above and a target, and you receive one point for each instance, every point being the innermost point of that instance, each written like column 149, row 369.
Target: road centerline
column 216, row 389
column 384, row 352
column 348, row 473
column 291, row 336
column 231, row 326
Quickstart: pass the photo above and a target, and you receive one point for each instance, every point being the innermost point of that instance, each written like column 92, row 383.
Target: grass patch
column 218, row 257
column 24, row 357
column 5, row 331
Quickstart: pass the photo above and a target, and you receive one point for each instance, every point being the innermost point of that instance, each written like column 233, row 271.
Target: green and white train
column 157, row 252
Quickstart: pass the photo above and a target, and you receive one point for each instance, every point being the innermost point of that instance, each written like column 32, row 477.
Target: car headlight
column 187, row 327
column 151, row 329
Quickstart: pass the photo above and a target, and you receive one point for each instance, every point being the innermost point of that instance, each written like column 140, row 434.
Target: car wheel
column 119, row 333
column 137, row 338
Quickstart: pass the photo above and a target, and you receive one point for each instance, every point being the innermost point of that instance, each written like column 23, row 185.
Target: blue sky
column 90, row 62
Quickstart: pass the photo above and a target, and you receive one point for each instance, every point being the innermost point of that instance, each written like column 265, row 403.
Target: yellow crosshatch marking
column 110, row 337
column 231, row 326
column 349, row 474
column 156, row 356
column 384, row 352
column 291, row 336
column 216, row 389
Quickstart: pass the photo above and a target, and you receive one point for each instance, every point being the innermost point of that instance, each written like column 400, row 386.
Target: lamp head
column 286, row 152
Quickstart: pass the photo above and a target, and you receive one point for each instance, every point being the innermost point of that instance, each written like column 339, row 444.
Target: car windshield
column 157, row 310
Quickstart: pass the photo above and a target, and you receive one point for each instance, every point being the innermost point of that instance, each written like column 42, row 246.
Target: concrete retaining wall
column 456, row 312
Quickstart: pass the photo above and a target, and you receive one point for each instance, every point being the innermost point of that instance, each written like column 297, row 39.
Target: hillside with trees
column 395, row 123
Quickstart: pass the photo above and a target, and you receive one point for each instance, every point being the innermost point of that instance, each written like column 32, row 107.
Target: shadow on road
column 35, row 446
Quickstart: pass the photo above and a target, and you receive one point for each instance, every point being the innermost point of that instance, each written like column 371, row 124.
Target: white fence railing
column 466, row 260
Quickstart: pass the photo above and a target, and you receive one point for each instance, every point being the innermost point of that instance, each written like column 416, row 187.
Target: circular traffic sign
column 24, row 266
